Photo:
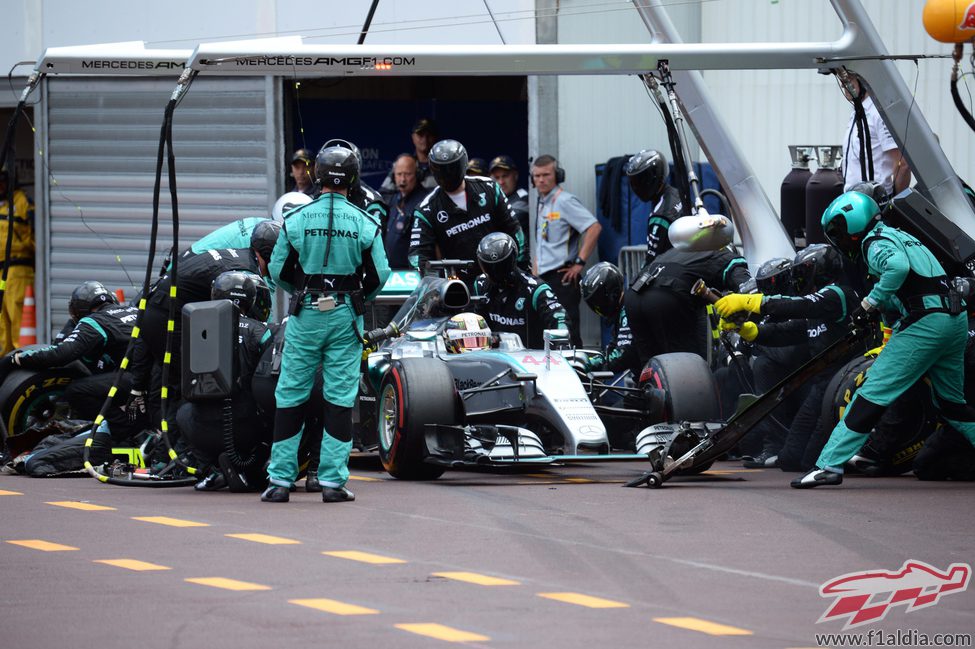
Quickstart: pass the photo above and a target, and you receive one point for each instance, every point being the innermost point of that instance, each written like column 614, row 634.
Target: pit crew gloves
column 735, row 302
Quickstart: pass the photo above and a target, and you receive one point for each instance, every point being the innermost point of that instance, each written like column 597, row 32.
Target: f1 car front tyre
column 415, row 392
column 691, row 392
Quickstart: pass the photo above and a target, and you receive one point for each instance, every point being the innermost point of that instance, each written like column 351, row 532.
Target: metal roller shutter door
column 101, row 148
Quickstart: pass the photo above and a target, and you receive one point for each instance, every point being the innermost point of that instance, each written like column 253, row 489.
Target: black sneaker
column 816, row 478
column 213, row 482
column 337, row 495
column 763, row 460
column 312, row 485
column 276, row 494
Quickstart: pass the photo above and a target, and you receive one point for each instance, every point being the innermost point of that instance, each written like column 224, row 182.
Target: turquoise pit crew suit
column 929, row 338
column 330, row 257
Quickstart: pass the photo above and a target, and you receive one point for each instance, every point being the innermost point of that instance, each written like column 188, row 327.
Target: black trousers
column 86, row 395
column 569, row 296
column 202, row 426
column 664, row 322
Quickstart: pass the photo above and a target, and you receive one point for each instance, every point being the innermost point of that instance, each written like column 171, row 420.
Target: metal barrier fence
column 630, row 261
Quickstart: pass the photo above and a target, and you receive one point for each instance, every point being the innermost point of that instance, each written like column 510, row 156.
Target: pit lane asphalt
column 561, row 557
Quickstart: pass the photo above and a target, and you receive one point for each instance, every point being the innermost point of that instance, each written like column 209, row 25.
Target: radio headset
column 559, row 173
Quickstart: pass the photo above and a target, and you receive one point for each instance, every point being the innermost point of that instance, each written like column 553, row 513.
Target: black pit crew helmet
column 247, row 291
column 602, row 288
column 815, row 267
column 336, row 167
column 497, row 253
column 647, row 171
column 89, row 297
column 774, row 277
column 448, row 164
column 263, row 238
column 345, row 144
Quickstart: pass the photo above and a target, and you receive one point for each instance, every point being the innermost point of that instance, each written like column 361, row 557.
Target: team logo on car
column 520, row 304
column 442, row 216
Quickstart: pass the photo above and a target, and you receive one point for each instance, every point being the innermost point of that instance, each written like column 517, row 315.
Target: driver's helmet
column 466, row 332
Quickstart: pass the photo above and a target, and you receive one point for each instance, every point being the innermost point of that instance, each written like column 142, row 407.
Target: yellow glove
column 748, row 331
column 736, row 302
column 727, row 325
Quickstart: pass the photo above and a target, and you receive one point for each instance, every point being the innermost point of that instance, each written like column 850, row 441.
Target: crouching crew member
column 330, row 257
column 99, row 341
column 237, row 462
column 929, row 338
column 515, row 301
column 664, row 315
column 819, row 314
column 602, row 289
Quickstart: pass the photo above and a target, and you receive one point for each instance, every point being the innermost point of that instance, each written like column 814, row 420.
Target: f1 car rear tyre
column 415, row 392
column 900, row 434
column 691, row 391
column 28, row 397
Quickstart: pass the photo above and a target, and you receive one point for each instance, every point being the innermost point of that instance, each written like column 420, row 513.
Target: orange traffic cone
column 28, row 319
column 120, row 295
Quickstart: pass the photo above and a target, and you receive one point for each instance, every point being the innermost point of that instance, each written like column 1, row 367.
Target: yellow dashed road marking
column 364, row 557
column 86, row 507
column 474, row 578
column 363, row 478
column 584, row 600
column 4, row 492
column 226, row 584
column 441, row 632
column 132, row 564
column 333, row 606
column 579, row 480
column 696, row 624
column 172, row 522
column 43, row 546
column 264, row 538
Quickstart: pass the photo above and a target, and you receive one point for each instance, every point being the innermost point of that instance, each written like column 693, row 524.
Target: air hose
column 955, row 97
column 165, row 145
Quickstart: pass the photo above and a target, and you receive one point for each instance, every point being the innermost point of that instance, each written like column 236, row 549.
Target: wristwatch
column 579, row 261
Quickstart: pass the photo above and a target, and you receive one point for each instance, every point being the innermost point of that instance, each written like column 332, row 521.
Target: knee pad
column 338, row 422
column 862, row 415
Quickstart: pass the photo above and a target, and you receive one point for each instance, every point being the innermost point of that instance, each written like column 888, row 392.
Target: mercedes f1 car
column 507, row 406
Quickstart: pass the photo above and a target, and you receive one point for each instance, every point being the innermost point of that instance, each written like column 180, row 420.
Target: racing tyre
column 898, row 437
column 691, row 391
column 415, row 392
column 28, row 397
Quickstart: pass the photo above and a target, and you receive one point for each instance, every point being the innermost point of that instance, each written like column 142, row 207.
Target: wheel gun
column 709, row 295
column 376, row 336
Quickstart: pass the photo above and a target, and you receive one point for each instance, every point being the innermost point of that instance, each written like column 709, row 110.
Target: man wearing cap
column 424, row 134
column 505, row 173
column 301, row 168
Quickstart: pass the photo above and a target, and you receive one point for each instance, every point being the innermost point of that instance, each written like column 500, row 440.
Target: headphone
column 559, row 174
